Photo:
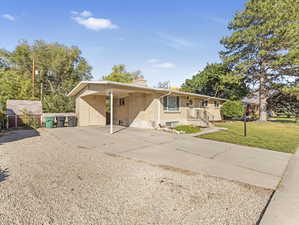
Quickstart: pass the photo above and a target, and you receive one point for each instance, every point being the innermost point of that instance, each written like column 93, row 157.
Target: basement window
column 171, row 103
column 204, row 104
column 122, row 101
column 216, row 104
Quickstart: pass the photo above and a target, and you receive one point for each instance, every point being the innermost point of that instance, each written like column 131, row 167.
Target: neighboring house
column 137, row 105
column 15, row 110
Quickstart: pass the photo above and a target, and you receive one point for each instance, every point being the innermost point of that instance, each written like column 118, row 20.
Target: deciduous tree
column 215, row 80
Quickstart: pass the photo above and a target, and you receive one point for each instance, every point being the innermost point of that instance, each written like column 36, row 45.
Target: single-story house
column 137, row 105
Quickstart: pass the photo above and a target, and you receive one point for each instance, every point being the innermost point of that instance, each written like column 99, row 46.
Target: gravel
column 50, row 182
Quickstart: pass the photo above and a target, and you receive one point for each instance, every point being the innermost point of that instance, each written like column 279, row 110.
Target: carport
column 108, row 103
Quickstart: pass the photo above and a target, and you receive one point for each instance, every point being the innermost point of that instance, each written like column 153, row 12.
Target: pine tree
column 264, row 44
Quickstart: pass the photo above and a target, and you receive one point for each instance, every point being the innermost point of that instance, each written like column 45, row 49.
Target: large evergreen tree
column 264, row 45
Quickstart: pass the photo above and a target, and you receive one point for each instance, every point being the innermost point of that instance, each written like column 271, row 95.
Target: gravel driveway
column 51, row 182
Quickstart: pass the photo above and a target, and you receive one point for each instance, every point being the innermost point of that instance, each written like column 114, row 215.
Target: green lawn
column 277, row 136
column 187, row 129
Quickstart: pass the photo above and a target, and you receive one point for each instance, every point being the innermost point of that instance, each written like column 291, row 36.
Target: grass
column 188, row 129
column 277, row 136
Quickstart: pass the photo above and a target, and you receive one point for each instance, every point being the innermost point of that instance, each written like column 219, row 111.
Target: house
column 137, row 105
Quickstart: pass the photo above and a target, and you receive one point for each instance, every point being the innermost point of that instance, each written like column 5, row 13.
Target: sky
column 168, row 40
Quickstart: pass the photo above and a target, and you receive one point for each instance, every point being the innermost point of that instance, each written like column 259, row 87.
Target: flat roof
column 83, row 84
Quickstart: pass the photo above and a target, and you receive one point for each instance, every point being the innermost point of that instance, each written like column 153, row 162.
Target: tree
column 215, row 80
column 120, row 74
column 58, row 68
column 232, row 109
column 13, row 86
column 264, row 45
column 283, row 103
column 164, row 84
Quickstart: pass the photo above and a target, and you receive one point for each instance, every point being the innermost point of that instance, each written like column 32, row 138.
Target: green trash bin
column 49, row 121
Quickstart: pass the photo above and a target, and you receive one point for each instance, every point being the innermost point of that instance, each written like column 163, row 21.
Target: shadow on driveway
column 16, row 135
column 3, row 174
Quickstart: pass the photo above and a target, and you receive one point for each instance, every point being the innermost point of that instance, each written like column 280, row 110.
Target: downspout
column 159, row 106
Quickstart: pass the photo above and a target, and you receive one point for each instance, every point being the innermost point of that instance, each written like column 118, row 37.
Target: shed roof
column 16, row 107
column 83, row 84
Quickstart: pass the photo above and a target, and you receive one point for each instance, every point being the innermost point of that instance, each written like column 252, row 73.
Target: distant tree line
column 42, row 71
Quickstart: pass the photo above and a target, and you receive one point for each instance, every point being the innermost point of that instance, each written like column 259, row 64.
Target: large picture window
column 171, row 103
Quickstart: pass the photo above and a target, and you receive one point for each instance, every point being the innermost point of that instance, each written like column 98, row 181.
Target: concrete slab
column 256, row 159
column 284, row 206
column 161, row 156
column 259, row 167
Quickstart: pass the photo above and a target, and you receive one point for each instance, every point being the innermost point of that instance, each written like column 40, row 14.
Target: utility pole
column 33, row 76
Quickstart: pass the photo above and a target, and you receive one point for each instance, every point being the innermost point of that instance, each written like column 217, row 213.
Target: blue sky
column 166, row 39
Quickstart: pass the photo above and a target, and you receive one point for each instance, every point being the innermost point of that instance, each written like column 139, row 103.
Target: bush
column 187, row 129
column 232, row 109
column 30, row 121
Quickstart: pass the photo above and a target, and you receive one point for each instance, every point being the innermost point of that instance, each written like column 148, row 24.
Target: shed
column 15, row 110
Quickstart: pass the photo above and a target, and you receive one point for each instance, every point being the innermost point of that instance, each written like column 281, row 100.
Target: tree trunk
column 263, row 99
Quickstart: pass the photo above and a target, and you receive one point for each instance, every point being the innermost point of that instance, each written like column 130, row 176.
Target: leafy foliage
column 14, row 86
column 30, row 121
column 216, row 80
column 58, row 69
column 56, row 103
column 283, row 103
column 232, row 109
column 264, row 45
column 120, row 74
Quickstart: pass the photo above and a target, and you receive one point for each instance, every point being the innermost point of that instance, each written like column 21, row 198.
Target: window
column 122, row 101
column 204, row 103
column 171, row 103
column 216, row 104
column 189, row 102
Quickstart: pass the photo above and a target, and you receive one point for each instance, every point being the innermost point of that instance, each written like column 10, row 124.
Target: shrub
column 187, row 129
column 30, row 121
column 232, row 109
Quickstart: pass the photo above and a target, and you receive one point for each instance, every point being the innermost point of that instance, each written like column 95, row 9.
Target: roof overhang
column 119, row 86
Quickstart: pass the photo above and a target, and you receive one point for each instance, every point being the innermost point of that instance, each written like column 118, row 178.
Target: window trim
column 122, row 101
column 203, row 105
column 178, row 109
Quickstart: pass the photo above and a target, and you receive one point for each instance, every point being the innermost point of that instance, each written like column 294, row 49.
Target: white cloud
column 85, row 13
column 175, row 42
column 166, row 65
column 8, row 17
column 84, row 18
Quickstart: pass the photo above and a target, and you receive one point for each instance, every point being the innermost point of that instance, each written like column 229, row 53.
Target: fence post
column 7, row 122
column 16, row 121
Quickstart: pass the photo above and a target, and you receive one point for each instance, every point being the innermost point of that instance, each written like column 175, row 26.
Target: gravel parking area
column 51, row 182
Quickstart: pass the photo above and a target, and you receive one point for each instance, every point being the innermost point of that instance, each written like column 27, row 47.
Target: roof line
column 82, row 84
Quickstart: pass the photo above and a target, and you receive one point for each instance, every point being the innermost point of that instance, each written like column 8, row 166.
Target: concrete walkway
column 284, row 207
column 208, row 131
column 254, row 166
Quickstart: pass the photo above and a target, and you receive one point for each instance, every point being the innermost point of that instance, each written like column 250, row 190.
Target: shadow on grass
column 16, row 135
column 3, row 174
column 283, row 121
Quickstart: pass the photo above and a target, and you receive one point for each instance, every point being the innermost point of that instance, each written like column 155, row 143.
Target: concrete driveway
column 86, row 176
column 254, row 166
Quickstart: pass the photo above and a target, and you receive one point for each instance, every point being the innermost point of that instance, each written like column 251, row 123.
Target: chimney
column 140, row 81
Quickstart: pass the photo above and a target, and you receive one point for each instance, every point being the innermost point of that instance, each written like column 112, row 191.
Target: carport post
column 111, row 112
